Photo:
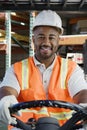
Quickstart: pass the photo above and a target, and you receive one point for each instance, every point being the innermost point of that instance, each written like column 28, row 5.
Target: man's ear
column 32, row 37
column 33, row 41
column 60, row 38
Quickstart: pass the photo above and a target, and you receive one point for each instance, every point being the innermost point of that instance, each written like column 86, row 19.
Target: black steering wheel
column 43, row 123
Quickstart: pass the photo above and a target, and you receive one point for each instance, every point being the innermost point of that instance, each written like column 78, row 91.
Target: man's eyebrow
column 44, row 35
column 52, row 35
column 41, row 34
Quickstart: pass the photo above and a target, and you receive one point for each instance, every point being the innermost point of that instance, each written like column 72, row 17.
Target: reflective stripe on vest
column 64, row 68
column 59, row 116
column 43, row 110
column 25, row 74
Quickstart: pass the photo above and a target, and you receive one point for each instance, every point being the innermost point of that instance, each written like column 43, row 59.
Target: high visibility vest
column 32, row 88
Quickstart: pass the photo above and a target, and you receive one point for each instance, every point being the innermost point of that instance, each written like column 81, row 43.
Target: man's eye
column 40, row 37
column 52, row 38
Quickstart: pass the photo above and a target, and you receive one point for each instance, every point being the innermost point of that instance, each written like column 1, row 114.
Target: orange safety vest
column 32, row 88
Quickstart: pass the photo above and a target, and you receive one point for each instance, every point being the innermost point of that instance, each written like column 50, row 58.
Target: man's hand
column 5, row 103
column 16, row 129
column 83, row 104
column 85, row 108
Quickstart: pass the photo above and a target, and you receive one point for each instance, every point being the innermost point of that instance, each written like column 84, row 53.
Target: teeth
column 45, row 48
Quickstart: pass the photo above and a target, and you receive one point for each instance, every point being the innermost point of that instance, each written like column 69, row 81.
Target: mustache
column 46, row 46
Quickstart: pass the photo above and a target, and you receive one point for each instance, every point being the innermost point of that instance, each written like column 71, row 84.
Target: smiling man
column 43, row 76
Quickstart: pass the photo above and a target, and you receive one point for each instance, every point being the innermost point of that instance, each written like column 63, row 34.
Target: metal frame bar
column 43, row 4
column 37, row 7
column 65, row 3
column 82, row 3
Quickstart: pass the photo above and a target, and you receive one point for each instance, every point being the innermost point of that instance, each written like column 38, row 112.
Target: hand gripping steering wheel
column 43, row 123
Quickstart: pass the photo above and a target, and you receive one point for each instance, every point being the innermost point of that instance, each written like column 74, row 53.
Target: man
column 44, row 76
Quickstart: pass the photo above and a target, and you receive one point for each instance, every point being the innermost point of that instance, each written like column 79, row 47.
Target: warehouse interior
column 16, row 19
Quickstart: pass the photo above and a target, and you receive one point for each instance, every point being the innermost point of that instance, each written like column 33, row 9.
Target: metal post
column 32, row 17
column 85, row 58
column 8, row 39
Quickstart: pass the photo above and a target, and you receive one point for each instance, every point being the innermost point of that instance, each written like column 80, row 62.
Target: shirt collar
column 37, row 63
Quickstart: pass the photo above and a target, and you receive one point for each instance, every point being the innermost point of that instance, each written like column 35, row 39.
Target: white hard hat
column 48, row 18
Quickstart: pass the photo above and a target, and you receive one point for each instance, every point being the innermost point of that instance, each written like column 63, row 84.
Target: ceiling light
column 13, row 13
column 22, row 23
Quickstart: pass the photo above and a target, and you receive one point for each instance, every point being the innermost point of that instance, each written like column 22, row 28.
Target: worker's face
column 45, row 41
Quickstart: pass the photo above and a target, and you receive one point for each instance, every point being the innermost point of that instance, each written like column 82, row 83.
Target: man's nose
column 46, row 40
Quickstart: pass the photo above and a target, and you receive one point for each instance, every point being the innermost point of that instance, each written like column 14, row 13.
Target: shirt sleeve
column 77, row 81
column 10, row 80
